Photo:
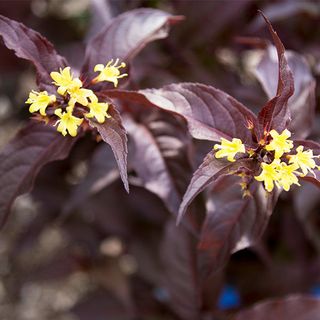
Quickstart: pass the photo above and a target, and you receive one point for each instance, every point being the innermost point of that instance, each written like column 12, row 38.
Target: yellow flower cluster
column 282, row 168
column 284, row 174
column 76, row 99
column 229, row 148
column 278, row 173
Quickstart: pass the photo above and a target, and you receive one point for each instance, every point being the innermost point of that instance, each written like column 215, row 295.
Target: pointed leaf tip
column 114, row 134
column 276, row 114
column 31, row 45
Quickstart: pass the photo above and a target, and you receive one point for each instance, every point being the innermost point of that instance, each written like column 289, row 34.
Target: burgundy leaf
column 113, row 133
column 126, row 35
column 209, row 112
column 153, row 169
column 147, row 206
column 235, row 223
column 297, row 307
column 276, row 114
column 145, row 248
column 109, row 210
column 161, row 142
column 22, row 159
column 102, row 171
column 302, row 103
column 209, row 171
column 50, row 192
column 179, row 256
column 101, row 14
column 30, row 45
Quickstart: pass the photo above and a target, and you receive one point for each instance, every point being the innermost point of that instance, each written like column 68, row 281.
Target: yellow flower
column 269, row 174
column 303, row 160
column 279, row 174
column 287, row 175
column 67, row 122
column 80, row 95
column 110, row 72
column 39, row 101
column 98, row 110
column 279, row 143
column 229, row 148
column 64, row 80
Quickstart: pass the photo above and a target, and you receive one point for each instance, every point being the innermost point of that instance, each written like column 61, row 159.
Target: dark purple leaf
column 276, row 114
column 22, row 159
column 115, row 212
column 179, row 256
column 113, row 133
column 209, row 171
column 147, row 206
column 153, row 170
column 161, row 142
column 30, row 45
column 50, row 192
column 145, row 248
column 102, row 171
column 302, row 103
column 296, row 307
column 126, row 35
column 210, row 113
column 234, row 222
column 109, row 210
column 101, row 14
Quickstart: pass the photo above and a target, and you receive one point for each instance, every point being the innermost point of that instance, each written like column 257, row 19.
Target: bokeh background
column 94, row 264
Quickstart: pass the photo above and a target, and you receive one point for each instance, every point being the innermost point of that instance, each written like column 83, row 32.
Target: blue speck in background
column 315, row 291
column 229, row 298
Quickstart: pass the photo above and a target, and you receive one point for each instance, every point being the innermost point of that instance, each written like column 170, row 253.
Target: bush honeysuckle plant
column 249, row 159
